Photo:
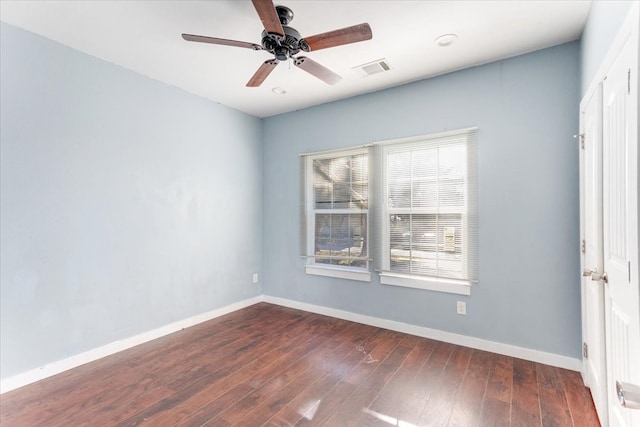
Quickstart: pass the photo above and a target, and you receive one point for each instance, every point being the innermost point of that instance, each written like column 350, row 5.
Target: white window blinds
column 337, row 206
column 427, row 215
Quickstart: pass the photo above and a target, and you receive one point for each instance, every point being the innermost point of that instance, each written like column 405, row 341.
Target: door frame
column 628, row 29
column 597, row 345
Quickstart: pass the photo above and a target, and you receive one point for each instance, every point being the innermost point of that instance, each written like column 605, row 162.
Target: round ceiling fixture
column 446, row 39
column 278, row 90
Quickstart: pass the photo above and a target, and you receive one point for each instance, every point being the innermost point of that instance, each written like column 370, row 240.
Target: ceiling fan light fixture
column 281, row 53
column 446, row 39
column 278, row 90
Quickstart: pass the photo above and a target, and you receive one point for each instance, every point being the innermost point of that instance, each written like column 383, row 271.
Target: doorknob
column 587, row 272
column 628, row 395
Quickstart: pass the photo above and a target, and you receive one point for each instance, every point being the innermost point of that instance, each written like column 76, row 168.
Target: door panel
column 593, row 258
column 620, row 221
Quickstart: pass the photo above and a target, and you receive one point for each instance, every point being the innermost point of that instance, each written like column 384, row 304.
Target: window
column 407, row 205
column 337, row 213
column 428, row 218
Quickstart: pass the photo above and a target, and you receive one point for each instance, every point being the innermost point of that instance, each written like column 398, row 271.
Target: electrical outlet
column 462, row 308
column 255, row 277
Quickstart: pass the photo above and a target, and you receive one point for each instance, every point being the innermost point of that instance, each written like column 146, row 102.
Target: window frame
column 330, row 270
column 412, row 280
column 378, row 229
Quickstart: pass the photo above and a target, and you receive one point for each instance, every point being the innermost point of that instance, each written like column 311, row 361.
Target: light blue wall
column 118, row 216
column 526, row 110
column 126, row 204
column 605, row 19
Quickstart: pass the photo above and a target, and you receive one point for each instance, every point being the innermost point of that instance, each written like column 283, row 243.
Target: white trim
column 59, row 366
column 538, row 356
column 442, row 134
column 339, row 152
column 322, row 153
column 427, row 137
column 339, row 273
column 428, row 283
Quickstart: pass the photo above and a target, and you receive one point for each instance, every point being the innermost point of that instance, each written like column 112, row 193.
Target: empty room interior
column 332, row 213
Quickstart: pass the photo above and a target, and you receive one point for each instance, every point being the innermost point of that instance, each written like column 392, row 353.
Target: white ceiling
column 144, row 36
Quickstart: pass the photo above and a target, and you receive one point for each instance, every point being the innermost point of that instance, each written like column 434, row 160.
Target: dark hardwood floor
column 274, row 366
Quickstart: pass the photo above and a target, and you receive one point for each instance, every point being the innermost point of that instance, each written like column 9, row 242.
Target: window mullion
column 437, row 211
column 411, row 203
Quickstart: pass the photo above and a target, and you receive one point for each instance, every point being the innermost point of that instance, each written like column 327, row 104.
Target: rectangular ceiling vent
column 370, row 68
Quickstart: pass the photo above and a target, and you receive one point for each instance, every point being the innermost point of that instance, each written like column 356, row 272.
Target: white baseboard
column 54, row 368
column 551, row 359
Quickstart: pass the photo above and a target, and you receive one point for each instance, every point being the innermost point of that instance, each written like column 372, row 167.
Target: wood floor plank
column 208, row 402
column 352, row 410
column 468, row 401
column 440, row 405
column 276, row 366
column 239, row 352
column 105, row 369
column 500, row 384
column 583, row 411
column 305, row 404
column 496, row 413
column 272, row 378
column 318, row 363
column 395, row 400
column 277, row 388
column 372, row 353
column 428, row 381
column 553, row 402
column 525, row 408
column 164, row 366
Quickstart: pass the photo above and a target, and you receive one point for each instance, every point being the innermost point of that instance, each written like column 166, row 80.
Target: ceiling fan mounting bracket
column 284, row 14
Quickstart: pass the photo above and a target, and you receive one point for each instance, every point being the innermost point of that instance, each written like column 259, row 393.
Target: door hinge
column 585, row 350
column 629, row 81
column 583, row 247
column 629, row 271
column 582, row 137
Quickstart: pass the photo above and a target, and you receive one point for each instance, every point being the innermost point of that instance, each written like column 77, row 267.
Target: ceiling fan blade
column 354, row 34
column 315, row 69
column 214, row 40
column 262, row 73
column 268, row 15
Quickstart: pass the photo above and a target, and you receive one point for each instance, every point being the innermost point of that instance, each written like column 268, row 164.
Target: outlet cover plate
column 461, row 308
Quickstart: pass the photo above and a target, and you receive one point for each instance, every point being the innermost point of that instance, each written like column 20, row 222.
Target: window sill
column 432, row 284
column 340, row 273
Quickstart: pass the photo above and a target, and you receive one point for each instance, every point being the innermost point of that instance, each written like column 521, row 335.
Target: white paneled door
column 620, row 228
column 595, row 368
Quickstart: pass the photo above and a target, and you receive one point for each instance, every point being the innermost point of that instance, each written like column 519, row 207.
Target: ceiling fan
column 284, row 42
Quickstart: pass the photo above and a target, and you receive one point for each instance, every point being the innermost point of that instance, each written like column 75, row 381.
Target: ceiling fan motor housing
column 284, row 47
